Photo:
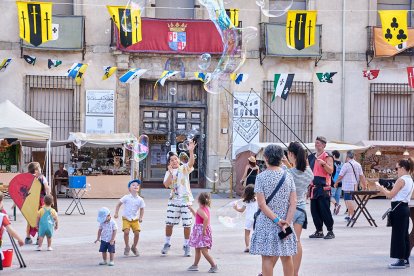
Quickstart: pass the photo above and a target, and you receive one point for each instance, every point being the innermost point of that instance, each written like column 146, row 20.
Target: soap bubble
column 203, row 136
column 167, row 143
column 173, row 91
column 183, row 146
column 132, row 7
column 276, row 8
column 195, row 156
column 213, row 177
column 141, row 149
column 183, row 157
column 192, row 134
column 260, row 3
column 204, row 61
column 229, row 217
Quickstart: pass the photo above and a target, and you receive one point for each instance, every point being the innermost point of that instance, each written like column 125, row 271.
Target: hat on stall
column 132, row 181
column 252, row 159
column 102, row 214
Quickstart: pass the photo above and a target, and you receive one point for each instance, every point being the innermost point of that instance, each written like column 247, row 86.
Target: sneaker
column 126, row 251
column 400, row 264
column 337, row 208
column 49, row 249
column 330, row 235
column 407, row 263
column 213, row 269
column 103, row 263
column 187, row 252
column 347, row 218
column 193, row 268
column 28, row 241
column 111, row 263
column 135, row 251
column 316, row 235
column 38, row 248
column 165, row 249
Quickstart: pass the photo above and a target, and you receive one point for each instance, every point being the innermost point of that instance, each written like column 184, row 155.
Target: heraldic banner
column 177, row 36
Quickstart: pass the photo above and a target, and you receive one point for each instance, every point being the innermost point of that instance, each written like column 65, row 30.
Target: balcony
column 68, row 33
column 378, row 48
column 273, row 43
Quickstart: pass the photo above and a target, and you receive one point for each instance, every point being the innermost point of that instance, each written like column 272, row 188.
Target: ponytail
column 300, row 154
column 407, row 164
column 411, row 165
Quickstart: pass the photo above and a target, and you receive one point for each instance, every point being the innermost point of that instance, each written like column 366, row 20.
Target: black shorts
column 107, row 247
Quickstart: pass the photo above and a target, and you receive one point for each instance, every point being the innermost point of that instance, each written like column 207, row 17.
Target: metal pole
column 214, row 183
column 231, row 185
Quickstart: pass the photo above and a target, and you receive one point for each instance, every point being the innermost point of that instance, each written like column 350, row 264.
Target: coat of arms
column 177, row 38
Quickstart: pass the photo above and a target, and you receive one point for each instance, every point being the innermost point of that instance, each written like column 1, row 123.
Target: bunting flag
column 132, row 75
column 35, row 21
column 108, row 71
column 77, row 71
column 394, row 26
column 410, row 74
column 326, row 77
column 164, row 76
column 239, row 78
column 282, row 85
column 204, row 77
column 30, row 59
column 4, row 64
column 223, row 20
column 128, row 22
column 300, row 29
column 53, row 63
column 233, row 14
column 371, row 74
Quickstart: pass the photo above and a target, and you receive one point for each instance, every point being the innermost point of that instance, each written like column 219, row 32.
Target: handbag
column 244, row 180
column 269, row 198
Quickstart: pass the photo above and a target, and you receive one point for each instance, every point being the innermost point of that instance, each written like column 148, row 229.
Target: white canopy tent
column 15, row 123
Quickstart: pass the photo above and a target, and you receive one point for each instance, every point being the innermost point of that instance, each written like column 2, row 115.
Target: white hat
column 102, row 214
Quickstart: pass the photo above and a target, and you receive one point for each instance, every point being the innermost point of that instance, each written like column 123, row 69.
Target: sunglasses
column 396, row 168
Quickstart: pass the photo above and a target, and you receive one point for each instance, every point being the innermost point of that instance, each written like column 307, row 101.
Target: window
column 54, row 101
column 274, row 5
column 391, row 112
column 61, row 7
column 296, row 112
column 394, row 5
column 182, row 9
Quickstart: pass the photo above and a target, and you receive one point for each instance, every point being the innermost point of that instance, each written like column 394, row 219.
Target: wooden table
column 361, row 198
column 412, row 230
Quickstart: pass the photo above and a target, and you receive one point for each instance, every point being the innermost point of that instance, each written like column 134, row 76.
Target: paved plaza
column 362, row 250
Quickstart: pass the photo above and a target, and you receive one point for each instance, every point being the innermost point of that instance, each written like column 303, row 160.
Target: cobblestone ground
column 362, row 250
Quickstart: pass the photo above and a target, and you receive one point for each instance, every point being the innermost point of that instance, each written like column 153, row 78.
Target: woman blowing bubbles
column 400, row 196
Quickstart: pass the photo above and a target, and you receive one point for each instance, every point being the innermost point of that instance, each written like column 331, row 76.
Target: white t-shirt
column 107, row 230
column 131, row 206
column 404, row 194
column 251, row 208
column 180, row 188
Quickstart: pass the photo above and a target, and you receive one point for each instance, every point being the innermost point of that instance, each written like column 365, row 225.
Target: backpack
column 337, row 168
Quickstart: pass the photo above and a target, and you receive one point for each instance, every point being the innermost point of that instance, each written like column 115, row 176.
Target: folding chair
column 77, row 188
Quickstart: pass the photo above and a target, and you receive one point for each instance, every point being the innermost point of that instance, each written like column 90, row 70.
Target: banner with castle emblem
column 246, row 127
column 176, row 36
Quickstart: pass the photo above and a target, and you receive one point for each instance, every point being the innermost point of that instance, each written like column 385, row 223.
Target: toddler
column 250, row 205
column 47, row 221
column 201, row 238
column 130, row 219
column 106, row 235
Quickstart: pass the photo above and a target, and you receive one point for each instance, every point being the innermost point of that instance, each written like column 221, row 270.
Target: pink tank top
column 199, row 219
column 318, row 170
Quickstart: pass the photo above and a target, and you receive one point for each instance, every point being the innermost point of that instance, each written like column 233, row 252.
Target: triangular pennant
column 128, row 21
column 394, row 26
column 77, row 71
column 30, row 59
column 108, row 71
column 53, row 63
column 371, row 74
column 132, row 75
column 4, row 64
column 300, row 29
column 282, row 84
column 326, row 77
column 35, row 22
column 239, row 78
column 164, row 76
column 204, row 77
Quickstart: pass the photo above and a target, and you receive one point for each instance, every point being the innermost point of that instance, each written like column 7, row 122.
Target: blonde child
column 5, row 223
column 106, row 235
column 47, row 221
column 201, row 238
column 133, row 204
column 250, row 206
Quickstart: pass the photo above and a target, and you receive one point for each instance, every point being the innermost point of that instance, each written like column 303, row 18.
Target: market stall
column 379, row 159
column 256, row 149
column 104, row 161
column 17, row 125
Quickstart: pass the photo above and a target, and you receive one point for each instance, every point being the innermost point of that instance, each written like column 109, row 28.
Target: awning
column 100, row 140
column 376, row 143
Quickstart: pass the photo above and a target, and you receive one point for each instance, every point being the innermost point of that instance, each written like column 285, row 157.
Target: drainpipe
column 343, row 74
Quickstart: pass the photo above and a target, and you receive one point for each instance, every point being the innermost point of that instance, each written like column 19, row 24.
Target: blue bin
column 77, row 182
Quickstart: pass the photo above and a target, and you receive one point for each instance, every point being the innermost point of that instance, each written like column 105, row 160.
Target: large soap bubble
column 131, row 6
column 276, row 8
column 138, row 148
column 234, row 45
column 229, row 217
column 204, row 61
